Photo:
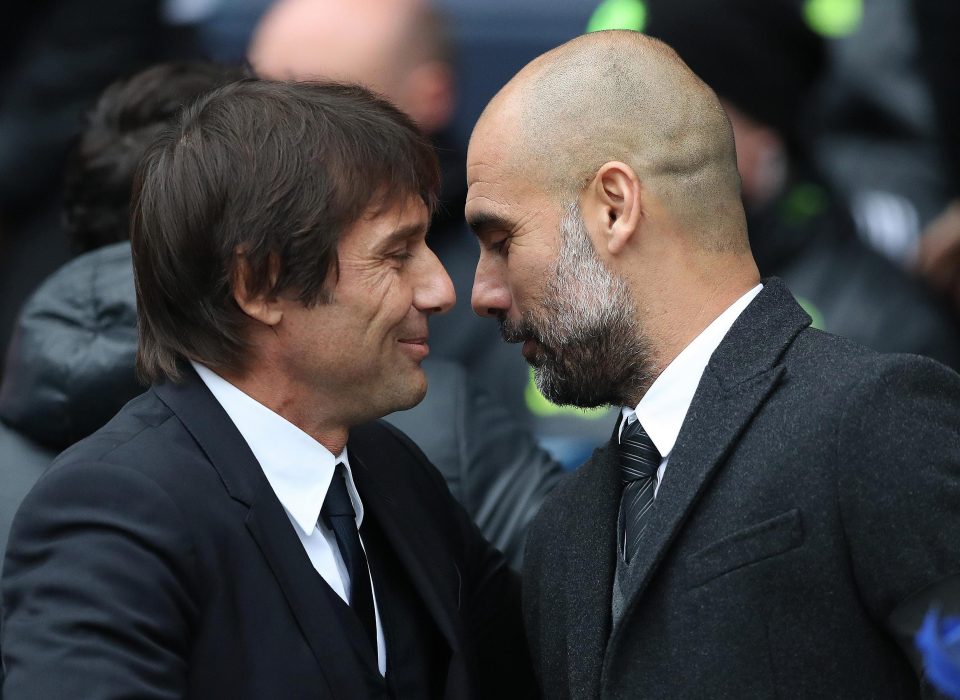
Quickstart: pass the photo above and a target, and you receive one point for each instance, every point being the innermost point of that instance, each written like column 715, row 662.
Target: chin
column 410, row 394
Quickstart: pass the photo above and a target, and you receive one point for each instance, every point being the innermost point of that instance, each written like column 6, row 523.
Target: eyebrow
column 403, row 233
column 484, row 222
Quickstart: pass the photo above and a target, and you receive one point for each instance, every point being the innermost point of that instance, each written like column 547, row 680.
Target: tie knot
column 639, row 457
column 337, row 502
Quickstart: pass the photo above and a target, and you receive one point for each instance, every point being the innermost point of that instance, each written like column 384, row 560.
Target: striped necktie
column 639, row 461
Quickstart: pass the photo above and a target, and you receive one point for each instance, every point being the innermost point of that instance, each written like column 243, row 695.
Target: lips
column 416, row 346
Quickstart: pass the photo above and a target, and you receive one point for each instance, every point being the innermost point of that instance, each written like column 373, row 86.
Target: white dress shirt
column 662, row 409
column 299, row 470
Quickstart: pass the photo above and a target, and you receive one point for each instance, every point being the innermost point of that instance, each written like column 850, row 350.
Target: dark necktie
column 337, row 514
column 639, row 461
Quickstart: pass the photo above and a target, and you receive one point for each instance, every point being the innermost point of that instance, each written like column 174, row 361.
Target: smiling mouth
column 416, row 346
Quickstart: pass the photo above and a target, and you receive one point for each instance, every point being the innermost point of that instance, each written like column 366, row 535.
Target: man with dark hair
column 243, row 529
column 777, row 508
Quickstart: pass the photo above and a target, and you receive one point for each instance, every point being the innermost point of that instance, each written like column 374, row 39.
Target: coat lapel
column 589, row 563
column 267, row 523
column 416, row 548
column 739, row 378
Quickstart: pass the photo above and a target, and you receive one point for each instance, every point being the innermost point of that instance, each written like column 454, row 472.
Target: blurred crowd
column 844, row 113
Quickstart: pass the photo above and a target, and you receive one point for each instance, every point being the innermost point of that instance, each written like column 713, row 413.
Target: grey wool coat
column 808, row 518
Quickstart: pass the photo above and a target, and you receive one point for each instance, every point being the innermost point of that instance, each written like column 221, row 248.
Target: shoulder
column 144, row 434
column 839, row 364
column 900, row 399
column 134, row 450
column 144, row 454
column 842, row 365
column 22, row 463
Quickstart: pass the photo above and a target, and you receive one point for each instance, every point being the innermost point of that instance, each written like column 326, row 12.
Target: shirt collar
column 298, row 468
column 662, row 409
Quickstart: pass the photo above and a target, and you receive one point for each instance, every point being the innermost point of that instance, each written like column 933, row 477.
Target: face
column 364, row 346
column 550, row 291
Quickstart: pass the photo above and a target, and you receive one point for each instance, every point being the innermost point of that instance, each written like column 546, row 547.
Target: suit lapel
column 589, row 563
column 416, row 548
column 315, row 614
column 739, row 378
column 267, row 523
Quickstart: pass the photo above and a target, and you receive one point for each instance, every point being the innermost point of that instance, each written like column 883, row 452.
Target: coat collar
column 588, row 556
column 742, row 373
column 420, row 550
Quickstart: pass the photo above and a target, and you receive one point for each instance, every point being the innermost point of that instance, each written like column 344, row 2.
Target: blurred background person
column 876, row 138
column 766, row 63
column 938, row 26
column 56, row 56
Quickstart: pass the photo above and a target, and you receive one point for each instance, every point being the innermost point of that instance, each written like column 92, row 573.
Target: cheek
column 389, row 301
column 528, row 276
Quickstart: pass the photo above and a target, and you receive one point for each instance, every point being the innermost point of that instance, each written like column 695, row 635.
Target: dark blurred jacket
column 56, row 56
column 804, row 237
column 71, row 367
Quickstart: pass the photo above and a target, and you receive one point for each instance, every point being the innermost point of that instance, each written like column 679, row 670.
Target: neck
column 684, row 305
column 288, row 399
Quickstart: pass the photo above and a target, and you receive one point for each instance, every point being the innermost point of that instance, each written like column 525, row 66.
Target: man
column 71, row 367
column 776, row 504
column 402, row 49
column 205, row 542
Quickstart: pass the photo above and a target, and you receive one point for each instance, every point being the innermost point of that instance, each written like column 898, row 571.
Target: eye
column 401, row 255
column 501, row 246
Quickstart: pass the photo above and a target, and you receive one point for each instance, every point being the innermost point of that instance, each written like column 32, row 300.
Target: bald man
column 777, row 507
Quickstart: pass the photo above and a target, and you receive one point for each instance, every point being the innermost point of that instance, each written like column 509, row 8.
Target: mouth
column 417, row 347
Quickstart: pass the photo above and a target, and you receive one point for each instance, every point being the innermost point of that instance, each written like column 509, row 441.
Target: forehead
column 496, row 185
column 388, row 222
column 503, row 199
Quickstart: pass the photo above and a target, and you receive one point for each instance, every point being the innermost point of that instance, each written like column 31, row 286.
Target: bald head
column 622, row 96
column 398, row 48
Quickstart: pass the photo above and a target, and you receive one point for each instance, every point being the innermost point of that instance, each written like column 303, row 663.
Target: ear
column 612, row 201
column 259, row 307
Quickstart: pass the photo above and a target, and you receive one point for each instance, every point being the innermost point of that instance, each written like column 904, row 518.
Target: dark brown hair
column 271, row 172
column 127, row 118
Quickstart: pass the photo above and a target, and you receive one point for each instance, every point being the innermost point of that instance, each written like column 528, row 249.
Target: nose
column 490, row 297
column 434, row 293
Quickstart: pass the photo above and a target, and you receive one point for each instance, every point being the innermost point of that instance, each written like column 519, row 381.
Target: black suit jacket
column 809, row 514
column 153, row 560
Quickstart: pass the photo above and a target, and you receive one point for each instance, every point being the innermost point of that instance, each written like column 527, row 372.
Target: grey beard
column 591, row 349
